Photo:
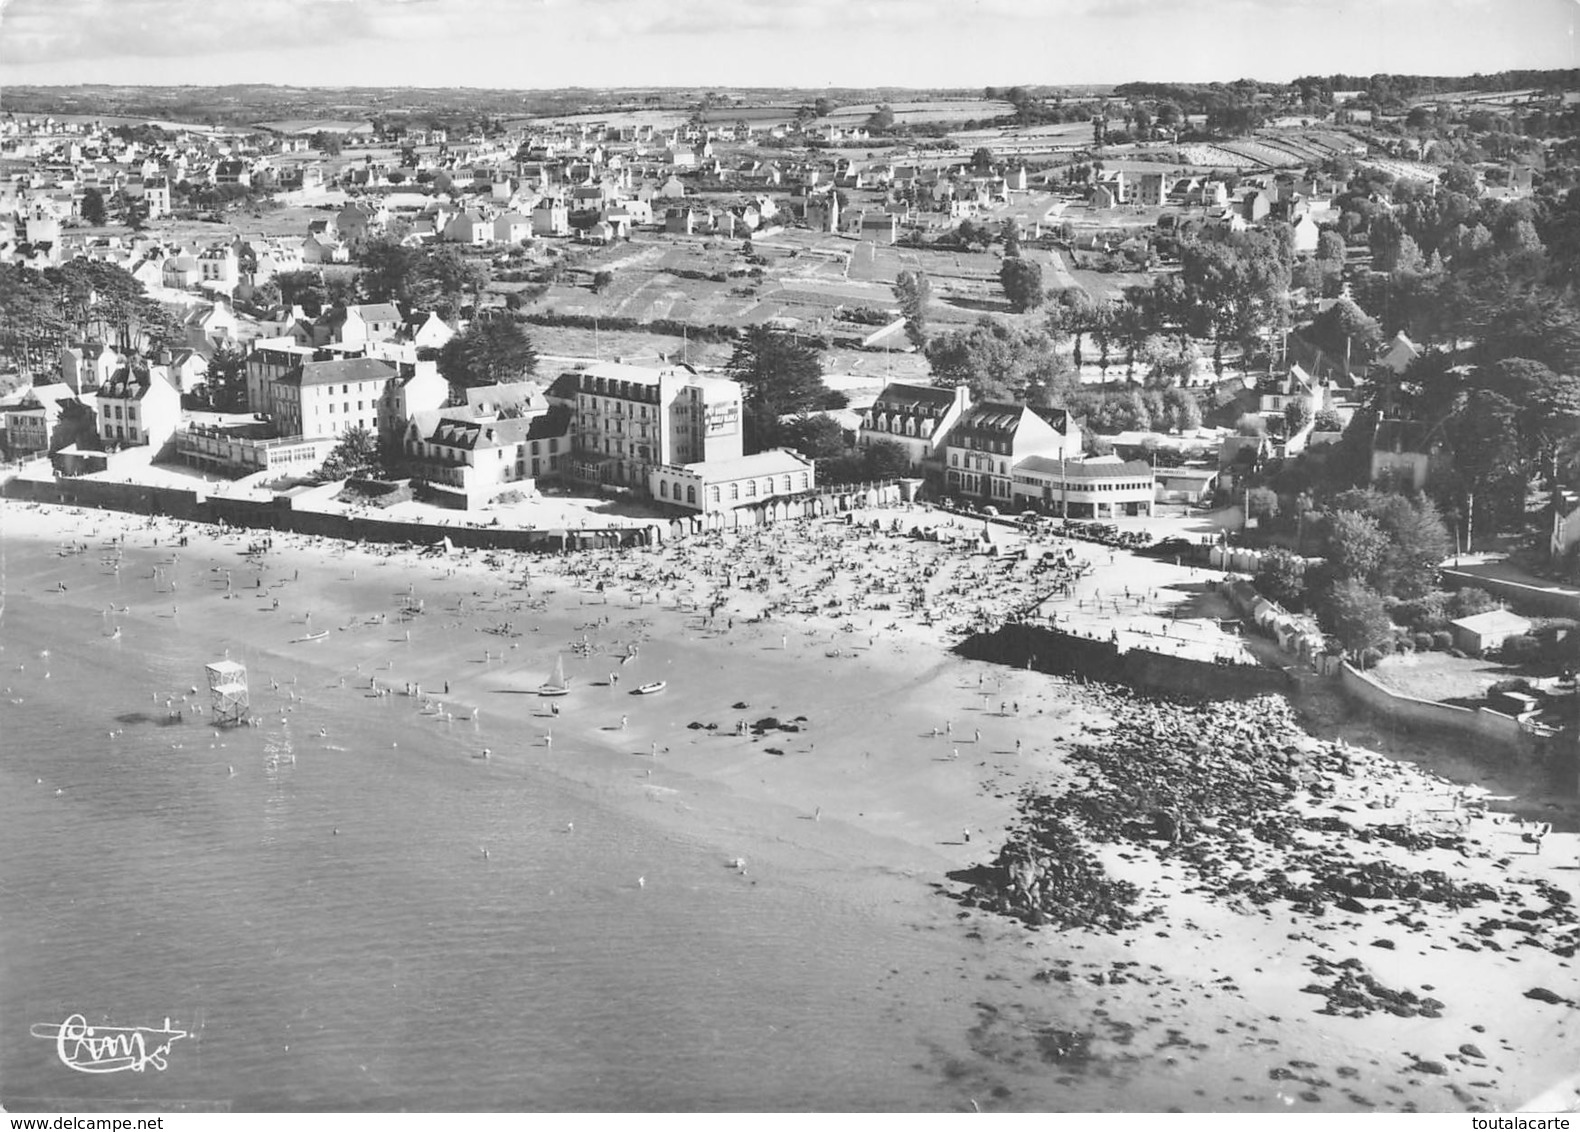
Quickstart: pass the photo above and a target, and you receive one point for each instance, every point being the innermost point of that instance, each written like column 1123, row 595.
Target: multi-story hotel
column 630, row 420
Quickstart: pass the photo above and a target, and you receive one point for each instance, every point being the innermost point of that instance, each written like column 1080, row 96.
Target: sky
column 752, row 43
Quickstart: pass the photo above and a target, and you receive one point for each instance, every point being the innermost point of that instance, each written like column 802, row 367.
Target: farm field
column 1051, row 133
column 290, row 220
column 620, row 119
column 942, row 110
column 633, row 346
column 1104, row 285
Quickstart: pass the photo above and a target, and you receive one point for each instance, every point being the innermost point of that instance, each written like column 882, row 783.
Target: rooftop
column 1087, row 470
column 774, row 462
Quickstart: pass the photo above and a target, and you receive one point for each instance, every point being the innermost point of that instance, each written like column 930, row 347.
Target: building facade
column 917, row 418
column 729, row 484
column 990, row 439
column 1092, row 489
column 630, row 420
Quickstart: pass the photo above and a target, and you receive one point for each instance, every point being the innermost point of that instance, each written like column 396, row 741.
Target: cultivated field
column 943, row 110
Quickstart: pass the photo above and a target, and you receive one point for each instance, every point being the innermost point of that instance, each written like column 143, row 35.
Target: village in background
column 1320, row 333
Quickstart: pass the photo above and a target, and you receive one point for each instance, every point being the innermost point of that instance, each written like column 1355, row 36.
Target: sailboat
column 559, row 686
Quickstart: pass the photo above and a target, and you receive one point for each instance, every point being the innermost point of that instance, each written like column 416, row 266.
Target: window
column 691, row 494
column 751, row 489
column 713, row 494
column 735, row 491
column 663, row 489
column 805, row 481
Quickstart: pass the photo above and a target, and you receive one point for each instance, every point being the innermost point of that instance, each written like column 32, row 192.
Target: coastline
column 864, row 805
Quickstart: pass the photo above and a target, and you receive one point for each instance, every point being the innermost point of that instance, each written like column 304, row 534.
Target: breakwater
column 1045, row 649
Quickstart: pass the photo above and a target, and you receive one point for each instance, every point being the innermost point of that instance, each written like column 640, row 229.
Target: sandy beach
column 1335, row 928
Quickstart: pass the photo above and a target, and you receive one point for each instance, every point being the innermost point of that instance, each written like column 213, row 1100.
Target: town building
column 1084, row 489
column 137, row 407
column 476, row 456
column 721, row 485
column 630, row 420
column 917, row 418
column 84, row 366
column 989, row 440
column 243, row 448
column 308, row 392
column 31, row 421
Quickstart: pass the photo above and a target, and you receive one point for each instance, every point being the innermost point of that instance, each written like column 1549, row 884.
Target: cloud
column 762, row 42
column 42, row 31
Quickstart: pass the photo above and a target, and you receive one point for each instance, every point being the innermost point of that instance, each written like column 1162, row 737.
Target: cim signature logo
column 109, row 1049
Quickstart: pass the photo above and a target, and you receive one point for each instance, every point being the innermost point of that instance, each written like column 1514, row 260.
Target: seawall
column 1065, row 654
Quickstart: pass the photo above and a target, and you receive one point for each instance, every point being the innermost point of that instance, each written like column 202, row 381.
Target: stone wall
column 1540, row 600
column 1066, row 654
column 278, row 515
column 1429, row 716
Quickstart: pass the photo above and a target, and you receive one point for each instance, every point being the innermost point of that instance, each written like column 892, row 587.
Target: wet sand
column 851, row 793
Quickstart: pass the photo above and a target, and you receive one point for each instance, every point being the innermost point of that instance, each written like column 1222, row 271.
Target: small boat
column 313, row 637
column 559, row 686
column 652, row 688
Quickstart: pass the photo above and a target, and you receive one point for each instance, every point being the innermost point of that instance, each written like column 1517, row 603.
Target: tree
column 1357, row 545
column 1297, row 415
column 93, row 208
column 885, row 460
column 881, row 120
column 982, row 158
column 225, row 380
column 999, row 362
column 357, row 454
column 32, row 325
column 914, row 292
column 1168, row 361
column 1549, row 407
column 1346, row 331
column 970, row 234
column 1011, row 233
column 1182, row 410
column 1354, row 614
column 825, row 106
column 815, row 436
column 780, row 376
column 1022, row 283
column 436, row 278
column 1261, row 503
column 601, row 280
column 387, row 267
column 266, row 295
column 326, row 143
column 303, row 288
column 492, row 350
column 1281, row 577
column 1484, row 434
column 1329, row 420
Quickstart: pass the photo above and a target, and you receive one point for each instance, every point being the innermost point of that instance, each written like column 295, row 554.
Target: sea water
column 324, row 927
